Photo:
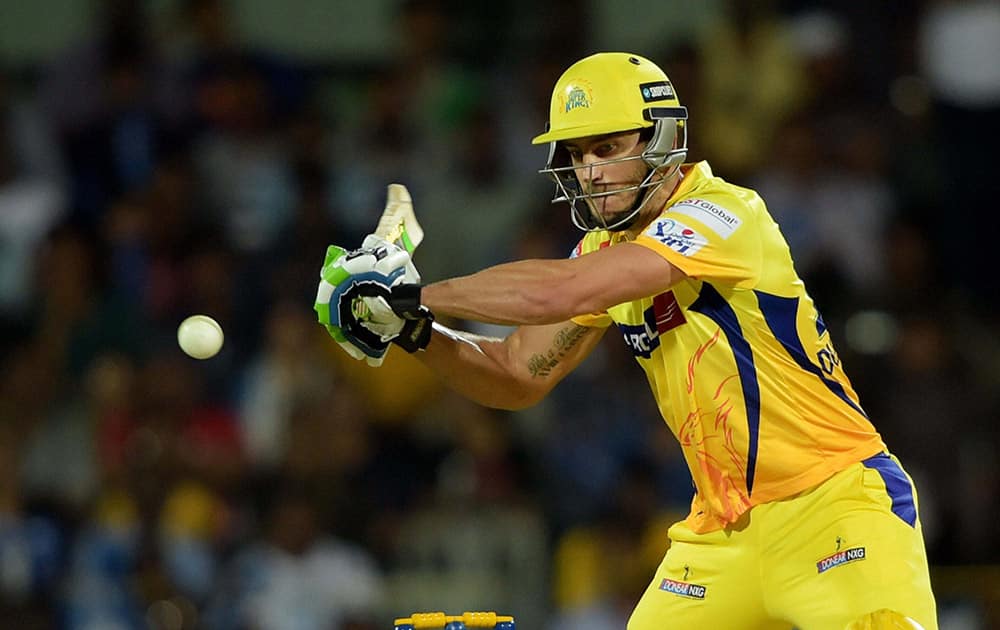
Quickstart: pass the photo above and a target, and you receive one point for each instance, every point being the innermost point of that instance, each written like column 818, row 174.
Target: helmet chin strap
column 597, row 222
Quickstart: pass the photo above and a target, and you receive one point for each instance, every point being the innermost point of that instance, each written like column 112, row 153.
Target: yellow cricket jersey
column 739, row 360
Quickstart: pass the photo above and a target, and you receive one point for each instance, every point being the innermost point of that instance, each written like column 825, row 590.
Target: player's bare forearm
column 510, row 294
column 511, row 373
column 534, row 292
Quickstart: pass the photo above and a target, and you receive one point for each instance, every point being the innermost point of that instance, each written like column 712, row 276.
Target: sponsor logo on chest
column 664, row 315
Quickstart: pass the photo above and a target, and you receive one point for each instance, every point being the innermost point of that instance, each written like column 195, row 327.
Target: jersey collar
column 695, row 174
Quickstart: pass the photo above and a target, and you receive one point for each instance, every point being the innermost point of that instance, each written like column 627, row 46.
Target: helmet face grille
column 666, row 149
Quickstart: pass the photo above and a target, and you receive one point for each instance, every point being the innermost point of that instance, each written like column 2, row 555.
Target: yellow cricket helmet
column 607, row 93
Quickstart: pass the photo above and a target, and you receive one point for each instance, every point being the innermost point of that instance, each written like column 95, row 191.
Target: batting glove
column 339, row 305
column 356, row 300
column 409, row 329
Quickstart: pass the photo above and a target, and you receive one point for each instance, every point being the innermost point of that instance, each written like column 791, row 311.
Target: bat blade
column 398, row 223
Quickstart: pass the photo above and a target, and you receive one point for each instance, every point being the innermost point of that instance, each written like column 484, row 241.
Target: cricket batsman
column 801, row 516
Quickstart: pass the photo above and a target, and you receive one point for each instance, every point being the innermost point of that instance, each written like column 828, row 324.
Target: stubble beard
column 627, row 200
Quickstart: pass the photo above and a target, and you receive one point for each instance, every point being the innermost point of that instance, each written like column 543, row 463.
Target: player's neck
column 654, row 206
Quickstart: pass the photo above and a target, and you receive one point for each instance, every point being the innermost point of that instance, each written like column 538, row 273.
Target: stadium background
column 177, row 156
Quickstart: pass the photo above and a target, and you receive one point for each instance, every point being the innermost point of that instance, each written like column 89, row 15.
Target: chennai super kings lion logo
column 576, row 95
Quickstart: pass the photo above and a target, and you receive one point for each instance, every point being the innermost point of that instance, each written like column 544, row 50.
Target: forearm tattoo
column 541, row 365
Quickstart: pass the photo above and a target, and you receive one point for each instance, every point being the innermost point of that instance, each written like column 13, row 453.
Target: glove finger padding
column 410, row 275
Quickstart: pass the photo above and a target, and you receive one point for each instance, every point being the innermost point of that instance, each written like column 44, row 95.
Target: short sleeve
column 709, row 239
column 593, row 320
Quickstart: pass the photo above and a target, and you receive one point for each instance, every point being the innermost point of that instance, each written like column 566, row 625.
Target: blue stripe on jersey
column 897, row 484
column 779, row 313
column 711, row 304
column 820, row 325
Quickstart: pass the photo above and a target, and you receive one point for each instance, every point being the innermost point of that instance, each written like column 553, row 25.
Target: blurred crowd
column 148, row 173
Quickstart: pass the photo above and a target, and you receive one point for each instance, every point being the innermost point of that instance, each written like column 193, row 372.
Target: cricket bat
column 398, row 223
